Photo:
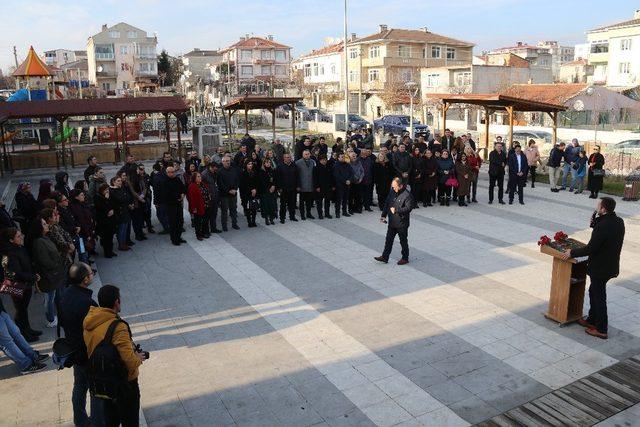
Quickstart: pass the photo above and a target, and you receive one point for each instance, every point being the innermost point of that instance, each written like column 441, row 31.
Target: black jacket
column 72, row 309
column 27, row 206
column 248, row 182
column 61, row 186
column 604, row 247
column 342, row 172
column 555, row 157
column 513, row 167
column 121, row 199
column 287, row 177
column 382, row 176
column 105, row 224
column 323, row 178
column 67, row 221
column 228, row 179
column 18, row 263
column 173, row 189
column 497, row 161
column 5, row 219
column 402, row 163
column 403, row 203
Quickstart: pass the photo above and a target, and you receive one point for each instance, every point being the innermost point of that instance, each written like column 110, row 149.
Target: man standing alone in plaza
column 603, row 264
column 397, row 210
column 497, row 162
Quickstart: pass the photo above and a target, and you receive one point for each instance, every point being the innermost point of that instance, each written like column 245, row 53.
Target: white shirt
column 519, row 157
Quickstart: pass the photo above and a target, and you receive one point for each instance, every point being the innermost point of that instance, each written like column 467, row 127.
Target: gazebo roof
column 33, row 66
column 259, row 102
column 497, row 101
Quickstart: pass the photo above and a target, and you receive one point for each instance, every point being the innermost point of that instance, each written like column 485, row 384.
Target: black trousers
column 388, row 242
column 598, row 304
column 517, row 185
column 22, row 309
column 493, row 181
column 366, row 195
column 126, row 409
column 342, row 199
column 287, row 204
column 228, row 207
column 212, row 215
column 444, row 192
column 106, row 241
column 174, row 212
column 323, row 200
column 199, row 222
column 306, row 200
column 532, row 171
column 147, row 214
column 474, row 187
column 382, row 196
column 355, row 198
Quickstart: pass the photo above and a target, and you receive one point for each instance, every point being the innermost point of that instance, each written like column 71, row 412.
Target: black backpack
column 107, row 372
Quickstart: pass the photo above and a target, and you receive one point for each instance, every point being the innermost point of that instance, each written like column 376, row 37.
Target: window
column 265, row 54
column 424, row 52
column 435, row 52
column 600, row 47
column 405, row 75
column 374, row 75
column 625, row 44
column 246, row 54
column 132, row 34
column 144, row 66
column 404, row 51
column 281, row 55
column 280, row 70
column 125, row 85
column 333, row 69
column 624, row 68
column 353, row 53
column 246, row 70
column 315, row 68
column 307, row 70
column 114, row 34
column 353, row 76
column 432, row 80
column 451, row 53
column 124, row 50
column 463, row 79
column 106, row 86
column 374, row 52
column 265, row 70
column 321, row 70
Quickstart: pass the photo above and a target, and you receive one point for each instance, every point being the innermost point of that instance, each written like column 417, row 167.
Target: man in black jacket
column 286, row 183
column 173, row 194
column 556, row 155
column 402, row 163
column 603, row 264
column 73, row 307
column 228, row 184
column 448, row 140
column 497, row 162
column 397, row 210
column 324, row 186
column 518, row 171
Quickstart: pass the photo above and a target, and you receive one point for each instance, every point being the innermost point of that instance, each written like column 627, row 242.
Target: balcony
column 147, row 73
column 106, row 74
column 102, row 56
column 146, row 56
column 260, row 61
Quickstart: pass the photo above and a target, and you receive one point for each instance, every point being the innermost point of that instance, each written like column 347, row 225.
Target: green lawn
column 612, row 184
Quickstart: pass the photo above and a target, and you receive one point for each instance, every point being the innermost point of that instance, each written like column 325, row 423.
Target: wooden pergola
column 270, row 103
column 498, row 102
column 115, row 108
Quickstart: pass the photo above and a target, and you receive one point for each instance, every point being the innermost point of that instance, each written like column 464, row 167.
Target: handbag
column 13, row 288
column 598, row 172
column 452, row 182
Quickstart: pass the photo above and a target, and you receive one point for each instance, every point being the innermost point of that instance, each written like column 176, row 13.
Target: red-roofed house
column 260, row 64
column 321, row 71
column 578, row 71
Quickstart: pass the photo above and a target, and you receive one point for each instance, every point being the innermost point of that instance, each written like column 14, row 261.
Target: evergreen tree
column 165, row 71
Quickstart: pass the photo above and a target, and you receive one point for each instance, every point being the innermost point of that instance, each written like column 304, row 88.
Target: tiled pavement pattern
column 297, row 325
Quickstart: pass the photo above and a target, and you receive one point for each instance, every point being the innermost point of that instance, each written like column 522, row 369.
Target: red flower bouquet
column 560, row 236
column 544, row 240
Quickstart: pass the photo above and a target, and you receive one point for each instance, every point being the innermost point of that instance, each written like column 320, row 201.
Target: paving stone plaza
column 297, row 325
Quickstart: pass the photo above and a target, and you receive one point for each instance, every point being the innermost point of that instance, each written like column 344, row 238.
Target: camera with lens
column 144, row 353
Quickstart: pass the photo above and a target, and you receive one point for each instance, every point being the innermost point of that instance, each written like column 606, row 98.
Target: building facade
column 59, row 57
column 537, row 56
column 578, row 71
column 615, row 53
column 258, row 65
column 122, row 58
column 320, row 73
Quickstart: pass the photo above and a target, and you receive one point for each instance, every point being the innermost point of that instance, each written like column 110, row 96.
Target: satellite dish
column 578, row 105
column 100, row 68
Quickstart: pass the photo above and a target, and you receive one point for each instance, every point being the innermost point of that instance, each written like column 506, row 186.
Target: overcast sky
column 302, row 24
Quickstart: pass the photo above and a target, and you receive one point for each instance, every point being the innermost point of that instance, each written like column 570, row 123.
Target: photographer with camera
column 114, row 360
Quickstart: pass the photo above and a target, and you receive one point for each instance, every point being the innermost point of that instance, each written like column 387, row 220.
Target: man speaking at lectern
column 603, row 251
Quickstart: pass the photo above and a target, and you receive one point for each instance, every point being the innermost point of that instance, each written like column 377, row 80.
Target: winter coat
column 212, row 183
column 197, row 204
column 596, row 161
column 248, row 182
column 49, row 264
column 358, row 171
column 401, row 163
column 83, row 217
column 94, row 186
column 67, row 220
column 121, row 199
column 497, row 162
column 382, row 176
column 27, row 206
column 533, row 155
column 18, row 265
column 417, row 165
column 228, row 179
column 367, row 167
column 464, row 184
column 555, row 157
column 429, row 174
column 105, row 224
column 445, row 169
column 403, row 203
column 95, row 326
column 305, row 174
column 323, row 179
column 287, row 177
column 342, row 172
column 73, row 307
column 604, row 247
column 62, row 184
column 474, row 162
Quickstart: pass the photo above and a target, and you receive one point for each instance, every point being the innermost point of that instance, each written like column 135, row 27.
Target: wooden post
column 123, row 124
column 167, row 131
column 4, row 152
column 293, row 124
column 64, row 157
column 554, row 118
column 445, row 108
column 116, row 151
column 179, row 137
column 509, row 109
column 273, row 123
column 487, row 115
column 246, row 119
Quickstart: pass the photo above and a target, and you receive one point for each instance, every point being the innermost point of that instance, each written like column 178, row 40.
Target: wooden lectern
column 568, row 279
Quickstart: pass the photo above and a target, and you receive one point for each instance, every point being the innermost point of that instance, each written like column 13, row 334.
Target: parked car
column 355, row 122
column 628, row 145
column 543, row 139
column 396, row 124
column 322, row 116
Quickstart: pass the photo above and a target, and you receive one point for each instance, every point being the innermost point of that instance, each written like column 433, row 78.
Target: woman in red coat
column 199, row 204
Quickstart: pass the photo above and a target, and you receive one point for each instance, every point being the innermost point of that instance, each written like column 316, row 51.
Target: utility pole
column 15, row 56
column 346, row 76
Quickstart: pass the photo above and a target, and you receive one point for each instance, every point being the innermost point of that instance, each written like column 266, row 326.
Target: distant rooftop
column 629, row 23
column 422, row 36
column 202, row 52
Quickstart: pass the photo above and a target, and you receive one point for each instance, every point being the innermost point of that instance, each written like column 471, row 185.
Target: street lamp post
column 412, row 87
column 346, row 76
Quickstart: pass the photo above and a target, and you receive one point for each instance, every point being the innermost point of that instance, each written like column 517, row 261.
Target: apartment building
column 615, row 53
column 537, row 56
column 260, row 64
column 199, row 65
column 578, row 71
column 383, row 62
column 59, row 57
column 321, row 72
column 122, row 58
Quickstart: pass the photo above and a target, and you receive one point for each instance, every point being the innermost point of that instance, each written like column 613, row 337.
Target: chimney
column 383, row 28
column 196, row 49
column 246, row 36
column 519, row 44
column 242, row 38
column 104, row 27
column 270, row 37
column 425, row 29
column 636, row 15
column 353, row 37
